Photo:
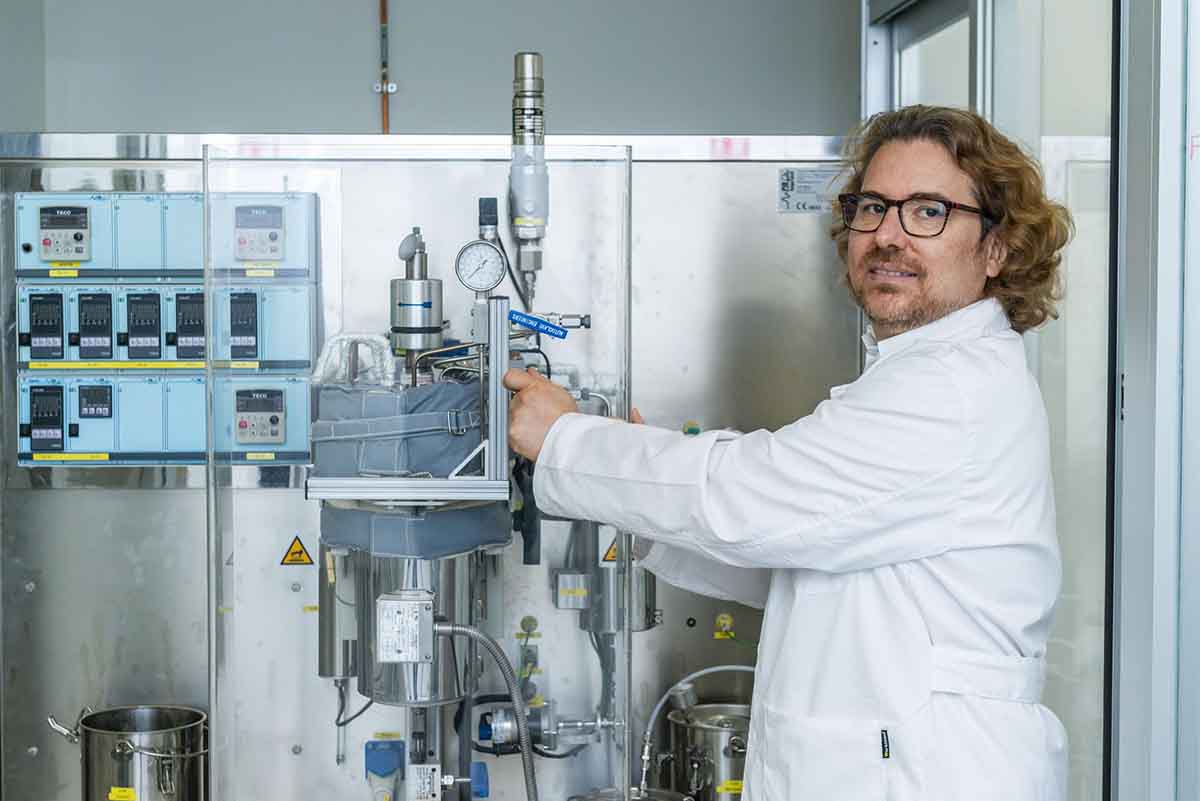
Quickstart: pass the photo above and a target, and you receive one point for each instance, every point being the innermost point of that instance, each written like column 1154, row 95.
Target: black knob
column 78, row 237
column 273, row 236
column 26, row 247
column 274, row 419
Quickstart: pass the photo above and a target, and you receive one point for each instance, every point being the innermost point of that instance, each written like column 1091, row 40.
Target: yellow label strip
column 70, row 457
column 122, row 794
column 729, row 786
column 66, row 365
column 64, row 273
column 260, row 457
column 260, row 273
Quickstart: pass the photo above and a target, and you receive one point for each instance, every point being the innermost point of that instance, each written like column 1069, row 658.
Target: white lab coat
column 907, row 528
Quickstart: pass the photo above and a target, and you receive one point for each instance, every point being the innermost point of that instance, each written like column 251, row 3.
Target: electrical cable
column 539, row 352
column 356, row 715
column 512, row 276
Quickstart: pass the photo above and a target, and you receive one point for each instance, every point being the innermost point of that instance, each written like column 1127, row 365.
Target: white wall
column 22, row 65
column 621, row 66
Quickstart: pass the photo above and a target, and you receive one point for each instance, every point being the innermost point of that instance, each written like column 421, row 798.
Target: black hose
column 508, row 750
column 512, row 276
column 539, row 352
column 356, row 715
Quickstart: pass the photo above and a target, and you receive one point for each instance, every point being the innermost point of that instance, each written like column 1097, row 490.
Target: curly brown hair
column 1008, row 187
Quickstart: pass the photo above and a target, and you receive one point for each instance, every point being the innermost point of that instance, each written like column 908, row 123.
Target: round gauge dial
column 480, row 265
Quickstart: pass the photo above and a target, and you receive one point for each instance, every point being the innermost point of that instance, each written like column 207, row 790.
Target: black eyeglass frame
column 851, row 199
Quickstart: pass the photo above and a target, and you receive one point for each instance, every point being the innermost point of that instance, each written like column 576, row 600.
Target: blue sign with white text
column 537, row 324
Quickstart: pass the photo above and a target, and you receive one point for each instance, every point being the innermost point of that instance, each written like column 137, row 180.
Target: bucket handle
column 126, row 748
column 72, row 734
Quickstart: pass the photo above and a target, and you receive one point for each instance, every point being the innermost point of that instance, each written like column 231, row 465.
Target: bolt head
column 297, row 586
column 32, row 751
column 30, row 586
column 297, row 749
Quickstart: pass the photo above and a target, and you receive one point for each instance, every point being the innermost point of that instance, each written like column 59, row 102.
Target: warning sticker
column 729, row 787
column 296, row 554
column 608, row 554
column 122, row 794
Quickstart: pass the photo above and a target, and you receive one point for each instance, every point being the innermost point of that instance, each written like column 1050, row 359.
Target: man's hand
column 539, row 402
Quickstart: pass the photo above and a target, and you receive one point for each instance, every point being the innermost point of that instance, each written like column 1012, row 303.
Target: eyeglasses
column 919, row 216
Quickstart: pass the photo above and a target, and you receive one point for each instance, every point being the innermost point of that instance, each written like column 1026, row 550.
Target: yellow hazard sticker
column 723, row 627
column 611, row 554
column 64, row 273
column 260, row 457
column 729, row 786
column 122, row 794
column 296, row 554
column 70, row 457
column 722, row 635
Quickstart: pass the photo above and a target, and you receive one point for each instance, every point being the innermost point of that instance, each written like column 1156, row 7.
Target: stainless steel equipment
column 141, row 753
column 529, row 181
column 148, row 523
column 635, row 794
column 416, row 301
column 708, row 750
column 337, row 638
column 434, row 683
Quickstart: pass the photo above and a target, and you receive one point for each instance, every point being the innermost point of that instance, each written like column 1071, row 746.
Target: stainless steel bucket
column 141, row 753
column 708, row 750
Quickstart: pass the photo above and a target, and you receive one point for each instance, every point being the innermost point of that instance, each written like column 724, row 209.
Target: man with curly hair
column 902, row 536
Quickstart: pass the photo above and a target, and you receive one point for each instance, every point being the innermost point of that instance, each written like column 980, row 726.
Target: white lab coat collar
column 982, row 317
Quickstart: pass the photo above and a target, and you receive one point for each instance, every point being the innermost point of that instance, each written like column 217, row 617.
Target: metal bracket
column 379, row 88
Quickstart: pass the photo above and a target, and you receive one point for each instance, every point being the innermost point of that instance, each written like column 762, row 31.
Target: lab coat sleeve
column 871, row 477
column 695, row 573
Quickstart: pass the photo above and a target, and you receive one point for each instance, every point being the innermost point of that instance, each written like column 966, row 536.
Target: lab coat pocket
column 822, row 759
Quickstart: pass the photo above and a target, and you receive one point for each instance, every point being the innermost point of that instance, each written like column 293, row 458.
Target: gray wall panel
column 23, row 65
column 671, row 66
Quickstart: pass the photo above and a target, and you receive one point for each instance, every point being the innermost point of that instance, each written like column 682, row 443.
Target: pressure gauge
column 480, row 265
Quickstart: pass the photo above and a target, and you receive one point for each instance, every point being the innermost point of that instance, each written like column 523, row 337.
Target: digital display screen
column 258, row 217
column 260, row 400
column 143, row 312
column 64, row 217
column 95, row 402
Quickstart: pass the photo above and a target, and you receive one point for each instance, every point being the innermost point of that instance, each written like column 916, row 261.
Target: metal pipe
column 514, row 691
column 649, row 735
column 384, row 95
column 498, row 360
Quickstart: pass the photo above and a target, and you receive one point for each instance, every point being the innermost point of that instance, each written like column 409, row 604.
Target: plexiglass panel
column 352, row 524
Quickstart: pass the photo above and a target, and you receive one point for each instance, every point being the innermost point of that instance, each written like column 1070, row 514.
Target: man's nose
column 890, row 233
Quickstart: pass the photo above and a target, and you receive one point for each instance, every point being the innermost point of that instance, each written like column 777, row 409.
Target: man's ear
column 995, row 253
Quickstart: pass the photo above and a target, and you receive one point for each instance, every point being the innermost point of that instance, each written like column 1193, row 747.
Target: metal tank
column 708, row 750
column 435, row 682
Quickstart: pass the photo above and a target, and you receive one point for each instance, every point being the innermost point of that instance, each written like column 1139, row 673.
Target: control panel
column 260, row 417
column 243, row 325
column 264, row 235
column 188, row 336
column 258, row 232
column 46, row 325
column 93, row 335
column 112, row 326
column 46, row 418
column 143, row 325
column 64, row 233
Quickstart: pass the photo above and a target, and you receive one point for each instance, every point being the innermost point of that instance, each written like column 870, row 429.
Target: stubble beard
column 890, row 309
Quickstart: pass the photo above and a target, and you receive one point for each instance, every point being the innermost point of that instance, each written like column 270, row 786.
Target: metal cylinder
column 337, row 627
column 418, row 684
column 606, row 601
column 708, row 750
column 528, row 104
column 151, row 753
column 416, row 315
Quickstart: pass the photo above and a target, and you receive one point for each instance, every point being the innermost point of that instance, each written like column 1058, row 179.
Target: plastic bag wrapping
column 333, row 365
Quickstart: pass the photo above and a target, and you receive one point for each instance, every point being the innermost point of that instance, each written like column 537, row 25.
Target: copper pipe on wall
column 384, row 93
